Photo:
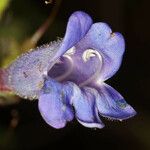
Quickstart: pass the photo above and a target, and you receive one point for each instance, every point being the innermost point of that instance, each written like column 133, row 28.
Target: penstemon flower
column 68, row 75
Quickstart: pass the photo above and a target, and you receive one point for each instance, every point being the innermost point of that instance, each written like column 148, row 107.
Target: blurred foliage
column 11, row 34
column 3, row 5
column 9, row 50
column 11, row 47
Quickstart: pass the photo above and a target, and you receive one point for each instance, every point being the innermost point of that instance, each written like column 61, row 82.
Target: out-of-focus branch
column 32, row 41
column 4, row 80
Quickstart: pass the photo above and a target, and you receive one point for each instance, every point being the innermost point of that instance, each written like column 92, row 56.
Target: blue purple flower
column 67, row 76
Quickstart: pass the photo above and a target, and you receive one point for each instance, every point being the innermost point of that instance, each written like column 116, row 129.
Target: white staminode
column 71, row 51
column 87, row 54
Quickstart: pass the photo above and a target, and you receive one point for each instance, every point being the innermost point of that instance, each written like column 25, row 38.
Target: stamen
column 86, row 56
column 68, row 72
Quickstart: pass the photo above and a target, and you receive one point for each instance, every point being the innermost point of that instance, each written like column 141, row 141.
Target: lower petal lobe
column 56, row 101
column 85, row 108
column 53, row 104
column 112, row 105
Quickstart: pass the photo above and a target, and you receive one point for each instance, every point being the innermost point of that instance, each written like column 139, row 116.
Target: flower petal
column 78, row 25
column 112, row 105
column 110, row 46
column 53, row 106
column 104, row 51
column 86, row 112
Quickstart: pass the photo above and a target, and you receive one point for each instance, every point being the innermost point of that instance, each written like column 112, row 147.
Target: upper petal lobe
column 78, row 25
column 85, row 108
column 111, row 47
column 107, row 45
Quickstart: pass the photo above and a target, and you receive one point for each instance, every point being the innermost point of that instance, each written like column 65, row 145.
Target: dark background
column 131, row 18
